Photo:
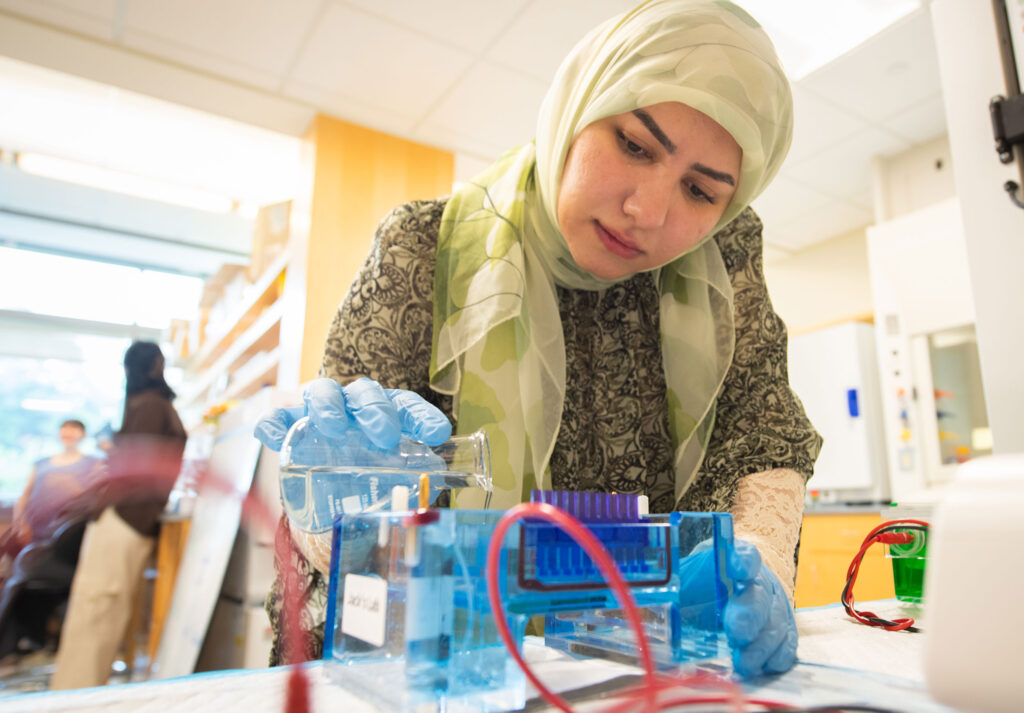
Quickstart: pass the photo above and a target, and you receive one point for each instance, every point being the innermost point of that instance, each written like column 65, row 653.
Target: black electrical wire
column 849, row 581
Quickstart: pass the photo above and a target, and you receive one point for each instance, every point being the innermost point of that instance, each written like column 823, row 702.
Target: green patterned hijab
column 497, row 338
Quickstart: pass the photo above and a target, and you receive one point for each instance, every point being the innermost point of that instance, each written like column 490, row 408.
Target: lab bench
column 839, row 662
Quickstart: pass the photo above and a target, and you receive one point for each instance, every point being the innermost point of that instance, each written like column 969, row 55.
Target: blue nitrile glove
column 759, row 623
column 758, row 620
column 359, row 425
column 700, row 590
column 382, row 415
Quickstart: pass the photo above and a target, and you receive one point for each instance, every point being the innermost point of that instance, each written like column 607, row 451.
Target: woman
column 144, row 463
column 595, row 302
column 54, row 482
column 45, row 516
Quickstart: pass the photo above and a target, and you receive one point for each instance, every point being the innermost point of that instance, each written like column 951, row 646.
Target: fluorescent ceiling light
column 55, row 114
column 810, row 33
column 73, row 172
column 50, row 405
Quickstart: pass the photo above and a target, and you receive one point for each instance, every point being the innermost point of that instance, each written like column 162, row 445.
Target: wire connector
column 895, row 538
column 893, row 532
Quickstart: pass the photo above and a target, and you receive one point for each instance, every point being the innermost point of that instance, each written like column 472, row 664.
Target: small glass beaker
column 909, row 560
column 322, row 478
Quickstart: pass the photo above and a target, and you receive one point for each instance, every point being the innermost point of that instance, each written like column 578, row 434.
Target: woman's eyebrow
column 655, row 130
column 665, row 141
column 712, row 173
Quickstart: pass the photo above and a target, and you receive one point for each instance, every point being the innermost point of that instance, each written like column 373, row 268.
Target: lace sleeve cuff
column 767, row 512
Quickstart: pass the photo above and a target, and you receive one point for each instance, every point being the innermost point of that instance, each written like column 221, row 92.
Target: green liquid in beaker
column 908, row 577
column 908, row 563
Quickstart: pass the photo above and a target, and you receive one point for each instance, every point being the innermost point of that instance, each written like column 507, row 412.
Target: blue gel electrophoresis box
column 410, row 624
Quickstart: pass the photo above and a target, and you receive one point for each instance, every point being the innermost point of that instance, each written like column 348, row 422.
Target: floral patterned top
column 615, row 430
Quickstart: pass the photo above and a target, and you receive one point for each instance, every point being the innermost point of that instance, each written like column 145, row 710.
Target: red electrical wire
column 889, row 538
column 255, row 509
column 597, row 552
column 297, row 699
column 654, row 683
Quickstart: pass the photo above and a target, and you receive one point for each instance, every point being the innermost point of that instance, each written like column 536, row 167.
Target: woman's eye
column 700, row 195
column 631, row 147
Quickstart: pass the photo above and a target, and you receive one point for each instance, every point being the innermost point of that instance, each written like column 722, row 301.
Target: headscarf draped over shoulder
column 497, row 339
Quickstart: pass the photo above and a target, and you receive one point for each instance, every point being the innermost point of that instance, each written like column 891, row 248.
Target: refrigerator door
column 834, row 372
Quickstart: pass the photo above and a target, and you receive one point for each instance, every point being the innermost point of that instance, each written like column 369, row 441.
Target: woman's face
column 640, row 189
column 71, row 435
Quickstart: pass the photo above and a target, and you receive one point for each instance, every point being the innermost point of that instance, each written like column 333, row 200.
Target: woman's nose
column 648, row 204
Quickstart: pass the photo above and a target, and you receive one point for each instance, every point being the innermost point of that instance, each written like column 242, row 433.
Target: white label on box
column 364, row 612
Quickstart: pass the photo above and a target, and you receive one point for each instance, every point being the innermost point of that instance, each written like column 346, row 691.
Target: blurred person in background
column 143, row 464
column 49, row 517
column 53, row 482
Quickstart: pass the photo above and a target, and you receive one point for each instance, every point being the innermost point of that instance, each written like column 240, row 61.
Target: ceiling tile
column 388, row 120
column 781, row 237
column 354, row 54
column 468, row 166
column 262, row 35
column 542, row 36
column 865, row 199
column 891, row 72
column 818, row 124
column 844, row 169
column 170, row 51
column 920, row 123
column 95, row 19
column 445, row 138
column 832, row 219
column 493, row 106
column 786, row 199
column 471, row 25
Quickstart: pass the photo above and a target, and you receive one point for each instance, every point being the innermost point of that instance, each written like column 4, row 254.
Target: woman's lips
column 615, row 243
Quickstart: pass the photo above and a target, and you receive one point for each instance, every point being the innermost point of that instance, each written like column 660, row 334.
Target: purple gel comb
column 592, row 507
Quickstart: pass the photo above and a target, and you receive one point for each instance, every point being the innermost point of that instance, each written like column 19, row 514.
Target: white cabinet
column 834, row 372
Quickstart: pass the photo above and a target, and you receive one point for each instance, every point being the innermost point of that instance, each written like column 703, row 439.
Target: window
column 64, row 326
column 40, row 394
column 97, row 291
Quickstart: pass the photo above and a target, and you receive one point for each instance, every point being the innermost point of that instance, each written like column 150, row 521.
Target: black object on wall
column 1007, row 112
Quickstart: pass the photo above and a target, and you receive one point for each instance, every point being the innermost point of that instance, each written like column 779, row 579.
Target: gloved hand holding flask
column 345, row 449
column 380, row 415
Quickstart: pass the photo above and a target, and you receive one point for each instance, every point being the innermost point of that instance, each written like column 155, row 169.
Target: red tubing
column 605, row 564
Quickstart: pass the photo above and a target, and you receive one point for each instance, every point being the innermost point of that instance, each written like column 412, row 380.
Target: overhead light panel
column 61, row 169
column 811, row 33
column 55, row 114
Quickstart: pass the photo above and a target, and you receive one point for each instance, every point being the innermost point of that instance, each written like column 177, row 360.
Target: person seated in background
column 44, row 520
column 143, row 465
column 53, row 483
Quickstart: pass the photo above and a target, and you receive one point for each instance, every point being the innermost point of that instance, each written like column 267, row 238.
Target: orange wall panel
column 356, row 176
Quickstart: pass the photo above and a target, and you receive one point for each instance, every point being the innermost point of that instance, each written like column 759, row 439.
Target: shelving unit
column 244, row 356
column 249, row 384
column 356, row 176
column 263, row 293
